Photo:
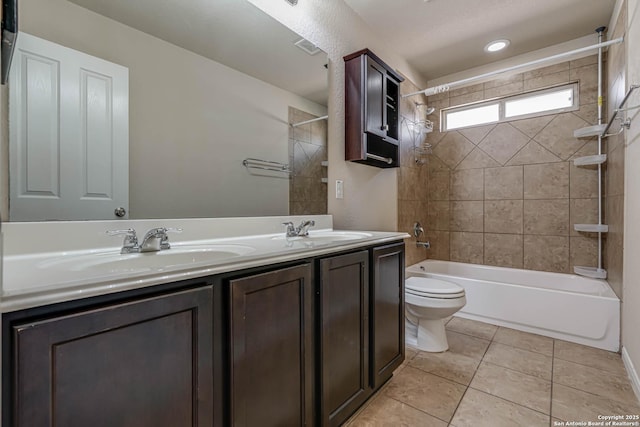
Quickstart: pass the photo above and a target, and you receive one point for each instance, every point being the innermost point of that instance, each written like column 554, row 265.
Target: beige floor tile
column 525, row 341
column 523, row 389
column 594, row 357
column 479, row 409
column 410, row 353
column 525, row 361
column 592, row 380
column 467, row 345
column 471, row 327
column 570, row 404
column 426, row 392
column 385, row 411
column 453, row 366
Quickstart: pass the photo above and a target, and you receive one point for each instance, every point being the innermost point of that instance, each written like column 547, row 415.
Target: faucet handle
column 164, row 242
column 130, row 239
column 291, row 229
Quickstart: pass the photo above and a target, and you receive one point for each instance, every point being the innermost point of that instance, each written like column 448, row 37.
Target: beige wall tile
column 408, row 183
column 581, row 62
column 583, row 251
column 588, row 79
column 584, row 182
column 501, row 81
column 546, row 80
column 466, row 99
column 557, row 136
column 531, row 127
column 546, row 217
column 438, row 218
column 503, row 216
column 477, row 159
column 439, row 185
column 465, row 90
column 477, row 133
column 467, row 184
column 582, row 211
column 453, row 148
column 503, row 250
column 546, row 181
column 549, row 69
column 503, row 142
column 503, row 183
column 504, row 90
column 546, row 253
column 615, row 172
column 533, row 153
column 439, row 245
column 467, row 216
column 467, row 247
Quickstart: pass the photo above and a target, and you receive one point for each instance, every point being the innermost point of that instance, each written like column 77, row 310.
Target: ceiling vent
column 307, row 46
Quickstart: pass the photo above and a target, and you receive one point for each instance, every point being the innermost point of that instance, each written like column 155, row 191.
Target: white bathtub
column 564, row 306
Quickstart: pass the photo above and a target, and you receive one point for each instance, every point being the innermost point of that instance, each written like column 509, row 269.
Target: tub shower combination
column 564, row 306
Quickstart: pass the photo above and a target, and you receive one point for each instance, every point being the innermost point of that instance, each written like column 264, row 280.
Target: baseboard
column 631, row 371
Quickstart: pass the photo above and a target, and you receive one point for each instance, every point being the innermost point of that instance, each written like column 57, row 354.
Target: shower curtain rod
column 445, row 87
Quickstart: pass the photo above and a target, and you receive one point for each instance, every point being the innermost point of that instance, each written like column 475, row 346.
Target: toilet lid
column 436, row 288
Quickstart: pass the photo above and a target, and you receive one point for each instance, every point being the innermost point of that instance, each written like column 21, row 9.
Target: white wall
column 192, row 120
column 631, row 275
column 370, row 199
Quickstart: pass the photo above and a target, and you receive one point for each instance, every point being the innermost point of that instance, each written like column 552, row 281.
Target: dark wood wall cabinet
column 304, row 343
column 372, row 110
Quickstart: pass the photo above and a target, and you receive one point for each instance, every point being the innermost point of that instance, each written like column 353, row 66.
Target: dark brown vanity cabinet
column 372, row 110
column 387, row 311
column 144, row 363
column 272, row 348
column 344, row 335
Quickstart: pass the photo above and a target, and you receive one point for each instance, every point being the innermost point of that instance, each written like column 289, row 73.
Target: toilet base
column 427, row 335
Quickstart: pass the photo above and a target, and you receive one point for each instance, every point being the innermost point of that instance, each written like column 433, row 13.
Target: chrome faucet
column 300, row 231
column 154, row 240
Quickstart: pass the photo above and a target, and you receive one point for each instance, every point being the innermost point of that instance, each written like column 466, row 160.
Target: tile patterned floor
column 493, row 376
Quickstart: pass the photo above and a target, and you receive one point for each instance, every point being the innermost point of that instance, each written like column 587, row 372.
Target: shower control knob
column 120, row 212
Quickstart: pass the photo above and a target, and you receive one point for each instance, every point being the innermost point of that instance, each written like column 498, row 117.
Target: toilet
column 428, row 302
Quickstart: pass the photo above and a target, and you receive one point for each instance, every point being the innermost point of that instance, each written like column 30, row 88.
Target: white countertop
column 34, row 278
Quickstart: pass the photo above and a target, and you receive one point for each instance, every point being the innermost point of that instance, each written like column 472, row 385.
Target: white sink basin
column 325, row 237
column 116, row 263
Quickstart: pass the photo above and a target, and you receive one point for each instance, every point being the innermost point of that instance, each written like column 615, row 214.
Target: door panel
column 75, row 166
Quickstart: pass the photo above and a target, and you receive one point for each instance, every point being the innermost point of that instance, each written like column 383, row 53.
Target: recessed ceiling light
column 496, row 45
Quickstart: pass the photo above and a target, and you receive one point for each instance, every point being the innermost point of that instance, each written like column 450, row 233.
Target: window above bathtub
column 554, row 100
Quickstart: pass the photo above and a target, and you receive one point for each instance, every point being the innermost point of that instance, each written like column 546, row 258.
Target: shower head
column 429, row 110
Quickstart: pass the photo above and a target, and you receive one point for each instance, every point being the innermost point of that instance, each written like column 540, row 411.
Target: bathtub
column 564, row 306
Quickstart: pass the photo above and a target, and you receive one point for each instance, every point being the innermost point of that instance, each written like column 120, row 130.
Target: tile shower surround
column 307, row 151
column 506, row 194
column 493, row 376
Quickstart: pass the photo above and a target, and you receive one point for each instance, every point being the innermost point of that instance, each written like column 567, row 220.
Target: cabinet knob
column 120, row 212
column 385, row 127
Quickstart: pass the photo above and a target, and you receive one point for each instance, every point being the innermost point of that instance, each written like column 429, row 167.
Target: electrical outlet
column 339, row 189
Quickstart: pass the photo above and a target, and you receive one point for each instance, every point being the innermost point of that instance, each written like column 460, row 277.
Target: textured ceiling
column 232, row 32
column 441, row 37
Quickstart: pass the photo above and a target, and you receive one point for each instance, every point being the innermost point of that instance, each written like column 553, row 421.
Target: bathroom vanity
column 295, row 331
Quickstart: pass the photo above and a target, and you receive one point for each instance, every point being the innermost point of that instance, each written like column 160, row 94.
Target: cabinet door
column 272, row 348
column 375, row 112
column 146, row 363
column 387, row 312
column 344, row 290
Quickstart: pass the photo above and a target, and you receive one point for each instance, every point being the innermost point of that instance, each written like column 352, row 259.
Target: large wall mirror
column 210, row 84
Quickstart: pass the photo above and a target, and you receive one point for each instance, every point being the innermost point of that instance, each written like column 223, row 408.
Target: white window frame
column 501, row 106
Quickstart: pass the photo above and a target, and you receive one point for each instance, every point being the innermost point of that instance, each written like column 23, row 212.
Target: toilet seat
column 427, row 287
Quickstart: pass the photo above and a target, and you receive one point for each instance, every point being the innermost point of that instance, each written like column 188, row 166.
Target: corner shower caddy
column 600, row 130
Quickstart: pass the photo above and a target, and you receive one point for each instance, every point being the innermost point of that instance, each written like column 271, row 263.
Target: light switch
column 339, row 189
